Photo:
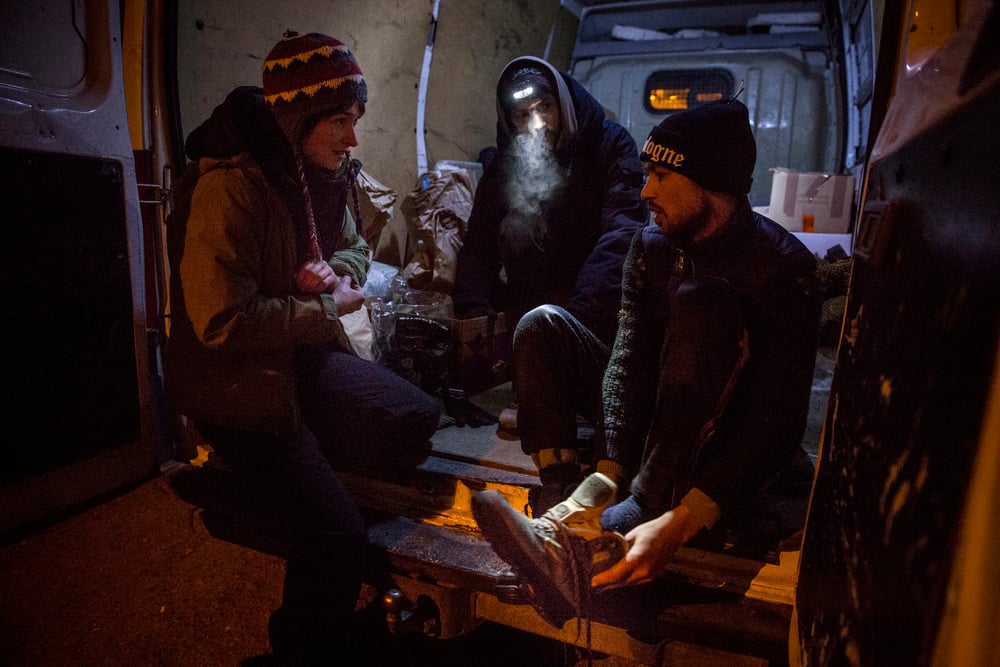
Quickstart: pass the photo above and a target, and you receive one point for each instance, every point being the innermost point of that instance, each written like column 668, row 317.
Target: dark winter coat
column 589, row 226
column 774, row 277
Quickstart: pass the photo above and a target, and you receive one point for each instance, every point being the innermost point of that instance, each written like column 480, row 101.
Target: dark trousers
column 558, row 368
column 355, row 414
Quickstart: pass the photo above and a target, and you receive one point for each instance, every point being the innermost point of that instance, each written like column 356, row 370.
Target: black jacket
column 774, row 277
column 589, row 226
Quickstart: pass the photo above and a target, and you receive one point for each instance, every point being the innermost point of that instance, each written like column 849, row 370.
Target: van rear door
column 76, row 381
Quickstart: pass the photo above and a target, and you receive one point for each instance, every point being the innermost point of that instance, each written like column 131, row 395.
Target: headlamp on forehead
column 523, row 93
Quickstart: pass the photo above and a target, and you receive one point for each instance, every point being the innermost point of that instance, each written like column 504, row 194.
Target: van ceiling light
column 524, row 92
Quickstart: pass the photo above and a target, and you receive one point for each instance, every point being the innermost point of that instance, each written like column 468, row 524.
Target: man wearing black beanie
column 707, row 392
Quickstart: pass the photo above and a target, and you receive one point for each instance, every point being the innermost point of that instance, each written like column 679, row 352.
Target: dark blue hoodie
column 589, row 226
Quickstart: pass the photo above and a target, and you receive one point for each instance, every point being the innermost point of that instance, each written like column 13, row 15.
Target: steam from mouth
column 536, row 176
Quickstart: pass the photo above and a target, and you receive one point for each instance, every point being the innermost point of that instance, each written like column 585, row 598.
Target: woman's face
column 331, row 139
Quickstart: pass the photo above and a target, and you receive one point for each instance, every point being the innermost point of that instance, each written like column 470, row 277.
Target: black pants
column 356, row 414
column 558, row 367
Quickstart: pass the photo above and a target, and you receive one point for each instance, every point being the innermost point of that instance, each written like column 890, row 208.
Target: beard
column 535, row 175
column 683, row 232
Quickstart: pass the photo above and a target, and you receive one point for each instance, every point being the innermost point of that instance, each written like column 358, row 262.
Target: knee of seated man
column 538, row 323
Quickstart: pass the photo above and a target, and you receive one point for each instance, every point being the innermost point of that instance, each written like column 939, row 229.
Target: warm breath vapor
column 536, row 176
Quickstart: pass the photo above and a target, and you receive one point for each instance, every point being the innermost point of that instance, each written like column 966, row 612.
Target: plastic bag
column 412, row 334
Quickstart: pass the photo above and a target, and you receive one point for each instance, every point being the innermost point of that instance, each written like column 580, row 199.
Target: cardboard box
column 482, row 352
column 819, row 244
column 829, row 198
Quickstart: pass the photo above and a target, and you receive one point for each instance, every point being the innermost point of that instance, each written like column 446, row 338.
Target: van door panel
column 75, row 380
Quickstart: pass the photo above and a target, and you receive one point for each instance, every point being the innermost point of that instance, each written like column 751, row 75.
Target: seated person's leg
column 558, row 366
column 323, row 573
column 364, row 414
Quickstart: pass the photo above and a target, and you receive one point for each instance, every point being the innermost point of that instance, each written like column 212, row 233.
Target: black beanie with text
column 711, row 144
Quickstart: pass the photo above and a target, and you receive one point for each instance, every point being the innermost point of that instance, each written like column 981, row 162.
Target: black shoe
column 797, row 477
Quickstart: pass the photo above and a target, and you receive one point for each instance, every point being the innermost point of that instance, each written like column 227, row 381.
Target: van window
column 675, row 90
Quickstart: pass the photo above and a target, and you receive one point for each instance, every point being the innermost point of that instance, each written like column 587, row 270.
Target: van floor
column 156, row 575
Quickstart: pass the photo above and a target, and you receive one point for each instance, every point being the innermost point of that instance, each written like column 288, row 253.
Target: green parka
column 236, row 315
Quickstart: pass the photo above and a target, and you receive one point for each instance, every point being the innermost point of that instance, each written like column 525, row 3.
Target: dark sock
column 624, row 516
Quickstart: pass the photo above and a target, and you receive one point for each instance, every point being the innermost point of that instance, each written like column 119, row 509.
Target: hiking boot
column 558, row 553
column 558, row 481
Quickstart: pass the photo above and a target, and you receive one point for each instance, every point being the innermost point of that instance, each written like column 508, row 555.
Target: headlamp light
column 523, row 92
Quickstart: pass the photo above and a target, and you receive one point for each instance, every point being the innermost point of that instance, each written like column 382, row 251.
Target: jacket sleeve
column 630, row 380
column 753, row 444
column 479, row 259
column 597, row 291
column 233, row 301
column 352, row 257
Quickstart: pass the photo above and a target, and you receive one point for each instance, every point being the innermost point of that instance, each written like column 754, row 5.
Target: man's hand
column 653, row 544
column 315, row 278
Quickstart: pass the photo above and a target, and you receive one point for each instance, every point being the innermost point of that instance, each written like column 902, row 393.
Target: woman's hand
column 315, row 278
column 319, row 278
column 348, row 296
